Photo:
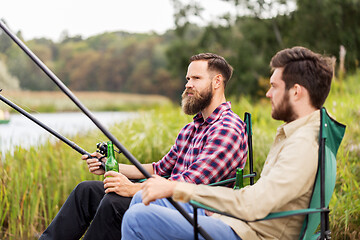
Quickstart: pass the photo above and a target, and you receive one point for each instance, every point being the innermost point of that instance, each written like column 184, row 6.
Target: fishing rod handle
column 102, row 166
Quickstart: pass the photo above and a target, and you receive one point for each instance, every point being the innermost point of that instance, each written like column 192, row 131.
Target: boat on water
column 4, row 117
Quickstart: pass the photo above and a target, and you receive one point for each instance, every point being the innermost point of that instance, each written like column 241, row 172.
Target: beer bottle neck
column 110, row 149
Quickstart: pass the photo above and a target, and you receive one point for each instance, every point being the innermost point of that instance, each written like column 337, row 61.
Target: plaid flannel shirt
column 207, row 151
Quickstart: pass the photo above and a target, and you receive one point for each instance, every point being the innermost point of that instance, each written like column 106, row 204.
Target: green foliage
column 325, row 25
column 262, row 28
column 6, row 79
column 343, row 103
column 33, row 189
column 156, row 64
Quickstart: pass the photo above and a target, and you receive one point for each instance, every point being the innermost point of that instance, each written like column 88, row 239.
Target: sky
column 50, row 18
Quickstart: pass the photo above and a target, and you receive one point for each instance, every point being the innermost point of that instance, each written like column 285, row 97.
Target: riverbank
column 56, row 101
column 21, row 131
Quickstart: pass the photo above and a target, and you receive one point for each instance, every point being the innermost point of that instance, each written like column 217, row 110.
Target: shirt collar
column 291, row 127
column 198, row 119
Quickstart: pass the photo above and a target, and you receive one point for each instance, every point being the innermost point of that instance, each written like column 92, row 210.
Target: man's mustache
column 184, row 94
column 188, row 91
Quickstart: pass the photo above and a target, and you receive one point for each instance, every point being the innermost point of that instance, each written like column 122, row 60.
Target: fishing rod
column 47, row 128
column 102, row 128
column 77, row 102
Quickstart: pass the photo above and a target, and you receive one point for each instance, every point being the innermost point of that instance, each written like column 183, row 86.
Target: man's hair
column 308, row 69
column 215, row 63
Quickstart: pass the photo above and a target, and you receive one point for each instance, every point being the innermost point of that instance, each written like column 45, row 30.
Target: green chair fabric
column 330, row 136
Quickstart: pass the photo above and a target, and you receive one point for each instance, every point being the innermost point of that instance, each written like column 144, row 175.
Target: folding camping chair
column 330, row 136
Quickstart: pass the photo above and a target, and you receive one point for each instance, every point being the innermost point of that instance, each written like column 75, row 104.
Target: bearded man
column 207, row 150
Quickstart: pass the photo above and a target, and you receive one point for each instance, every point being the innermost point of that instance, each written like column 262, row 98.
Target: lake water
column 23, row 132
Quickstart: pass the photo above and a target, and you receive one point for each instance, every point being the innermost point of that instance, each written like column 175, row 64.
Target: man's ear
column 218, row 81
column 298, row 91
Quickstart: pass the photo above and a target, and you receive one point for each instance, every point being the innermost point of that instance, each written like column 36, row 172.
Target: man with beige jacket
column 300, row 83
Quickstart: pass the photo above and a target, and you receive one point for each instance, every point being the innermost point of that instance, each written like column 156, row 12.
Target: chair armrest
column 230, row 180
column 274, row 215
column 293, row 213
column 200, row 205
column 223, row 182
column 196, row 204
column 142, row 180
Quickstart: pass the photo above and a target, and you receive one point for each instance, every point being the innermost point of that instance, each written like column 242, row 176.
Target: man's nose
column 268, row 95
column 188, row 84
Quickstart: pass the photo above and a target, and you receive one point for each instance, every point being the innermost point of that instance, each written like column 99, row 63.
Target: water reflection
column 23, row 132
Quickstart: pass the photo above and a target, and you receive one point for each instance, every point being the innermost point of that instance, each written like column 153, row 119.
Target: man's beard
column 197, row 102
column 284, row 111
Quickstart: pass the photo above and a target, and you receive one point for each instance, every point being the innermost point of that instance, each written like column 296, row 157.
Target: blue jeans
column 160, row 220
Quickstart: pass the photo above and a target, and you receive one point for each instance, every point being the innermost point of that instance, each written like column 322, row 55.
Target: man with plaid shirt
column 207, row 150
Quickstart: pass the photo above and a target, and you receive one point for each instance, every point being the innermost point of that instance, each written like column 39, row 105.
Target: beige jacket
column 286, row 183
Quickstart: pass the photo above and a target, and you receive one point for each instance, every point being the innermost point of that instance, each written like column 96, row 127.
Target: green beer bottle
column 111, row 163
column 239, row 179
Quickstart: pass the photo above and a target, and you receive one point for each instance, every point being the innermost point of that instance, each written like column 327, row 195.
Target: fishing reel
column 102, row 148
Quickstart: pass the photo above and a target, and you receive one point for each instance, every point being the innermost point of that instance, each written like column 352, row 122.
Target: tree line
column 153, row 63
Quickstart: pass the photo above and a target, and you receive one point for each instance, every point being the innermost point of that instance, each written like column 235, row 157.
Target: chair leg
column 327, row 226
column 196, row 230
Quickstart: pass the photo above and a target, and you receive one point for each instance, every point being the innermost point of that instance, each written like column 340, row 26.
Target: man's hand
column 94, row 163
column 119, row 184
column 157, row 187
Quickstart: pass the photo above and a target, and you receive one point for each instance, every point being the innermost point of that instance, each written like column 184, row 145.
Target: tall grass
column 36, row 182
column 344, row 103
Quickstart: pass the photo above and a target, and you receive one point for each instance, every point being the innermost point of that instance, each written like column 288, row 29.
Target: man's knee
column 132, row 218
column 87, row 188
column 112, row 202
column 137, row 198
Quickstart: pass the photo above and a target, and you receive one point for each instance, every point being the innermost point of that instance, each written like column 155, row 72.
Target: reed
column 35, row 182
